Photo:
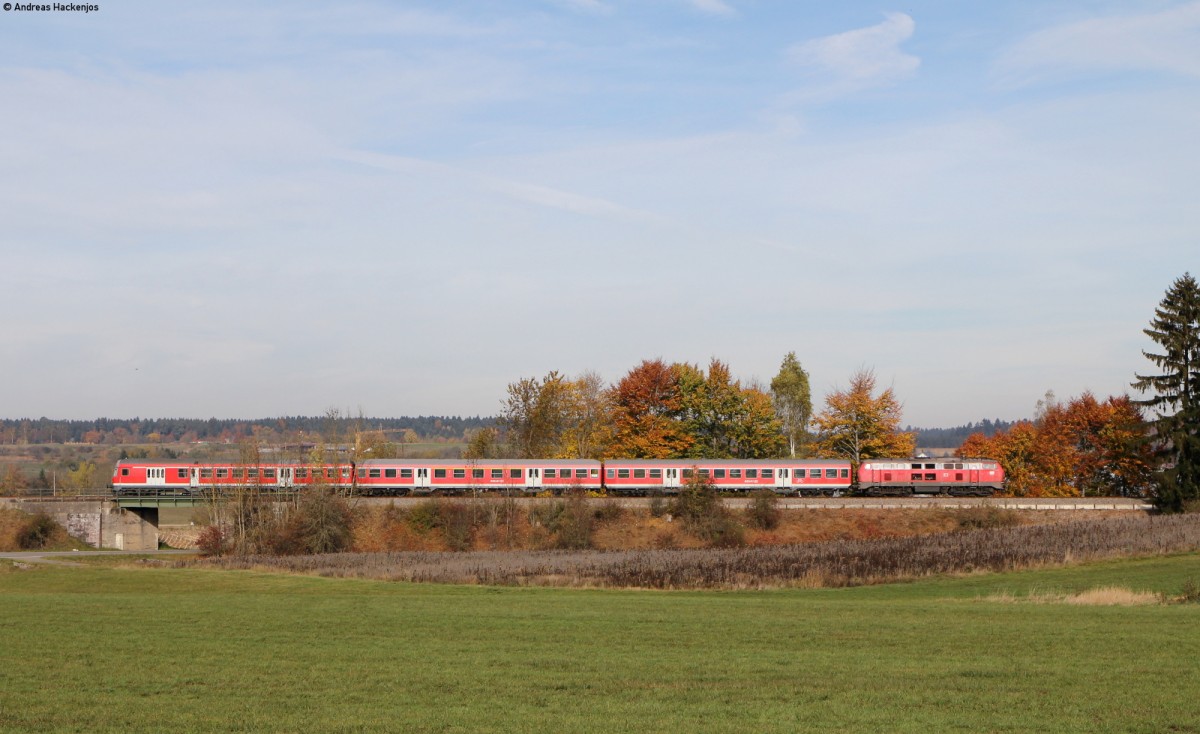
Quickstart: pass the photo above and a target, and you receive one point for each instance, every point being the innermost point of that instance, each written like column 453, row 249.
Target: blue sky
column 244, row 210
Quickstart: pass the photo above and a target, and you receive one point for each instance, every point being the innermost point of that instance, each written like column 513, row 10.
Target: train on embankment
column 952, row 476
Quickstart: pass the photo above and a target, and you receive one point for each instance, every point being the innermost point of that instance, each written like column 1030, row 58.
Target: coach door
column 286, row 478
column 670, row 479
column 194, row 480
column 782, row 478
column 421, row 480
column 533, row 478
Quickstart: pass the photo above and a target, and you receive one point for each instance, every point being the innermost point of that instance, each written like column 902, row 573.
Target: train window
column 931, row 466
column 515, row 473
column 252, row 473
column 497, row 473
column 719, row 473
column 623, row 473
column 798, row 474
column 735, row 473
column 656, row 473
column 206, row 473
column 268, row 473
column 362, row 473
column 844, row 473
column 916, row 466
column 389, row 473
column 639, row 473
column 687, row 473
column 611, row 473
column 552, row 473
column 300, row 473
column 931, row 477
column 581, row 473
column 124, row 472
column 831, row 473
column 958, row 466
column 406, row 473
column 752, row 473
column 477, row 473
column 345, row 472
column 238, row 474
column 222, row 473
column 460, row 473
column 768, row 473
column 375, row 474
column 439, row 473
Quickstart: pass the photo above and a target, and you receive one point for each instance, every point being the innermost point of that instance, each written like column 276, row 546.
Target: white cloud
column 1166, row 41
column 863, row 57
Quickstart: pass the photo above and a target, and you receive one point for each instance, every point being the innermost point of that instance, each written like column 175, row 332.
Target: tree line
column 115, row 431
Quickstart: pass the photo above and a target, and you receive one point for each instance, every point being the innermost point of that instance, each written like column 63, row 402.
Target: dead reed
column 833, row 563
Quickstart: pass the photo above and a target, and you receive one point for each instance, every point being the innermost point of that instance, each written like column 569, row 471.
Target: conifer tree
column 1176, row 399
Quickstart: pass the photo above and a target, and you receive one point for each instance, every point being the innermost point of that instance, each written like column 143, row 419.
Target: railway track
column 863, row 503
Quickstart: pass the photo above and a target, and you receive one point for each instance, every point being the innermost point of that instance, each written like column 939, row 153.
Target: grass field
column 103, row 648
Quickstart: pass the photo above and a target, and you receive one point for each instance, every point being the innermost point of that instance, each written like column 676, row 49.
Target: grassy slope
column 182, row 650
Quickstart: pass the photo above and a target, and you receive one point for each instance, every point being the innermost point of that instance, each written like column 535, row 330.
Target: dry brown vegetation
column 21, row 531
column 821, row 564
column 1104, row 596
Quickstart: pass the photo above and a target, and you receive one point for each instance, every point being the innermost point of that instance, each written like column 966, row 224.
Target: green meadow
column 107, row 648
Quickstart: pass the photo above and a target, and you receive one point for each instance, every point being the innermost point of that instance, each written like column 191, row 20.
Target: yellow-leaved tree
column 856, row 425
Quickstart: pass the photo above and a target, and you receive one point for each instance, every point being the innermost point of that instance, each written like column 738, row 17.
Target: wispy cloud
column 713, row 7
column 588, row 6
column 861, row 58
column 1165, row 41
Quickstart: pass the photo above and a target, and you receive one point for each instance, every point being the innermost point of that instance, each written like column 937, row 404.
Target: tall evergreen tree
column 1176, row 399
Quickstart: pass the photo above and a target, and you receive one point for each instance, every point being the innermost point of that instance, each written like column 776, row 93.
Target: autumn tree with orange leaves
column 1083, row 448
column 646, row 406
column 857, row 425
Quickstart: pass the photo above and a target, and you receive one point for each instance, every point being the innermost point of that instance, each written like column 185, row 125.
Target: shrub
column 763, row 512
column 608, row 511
column 321, row 523
column 570, row 522
column 658, row 506
column 702, row 513
column 1190, row 593
column 36, row 532
column 424, row 516
column 211, row 541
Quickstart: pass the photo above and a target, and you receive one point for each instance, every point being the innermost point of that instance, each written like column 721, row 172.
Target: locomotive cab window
column 124, row 472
